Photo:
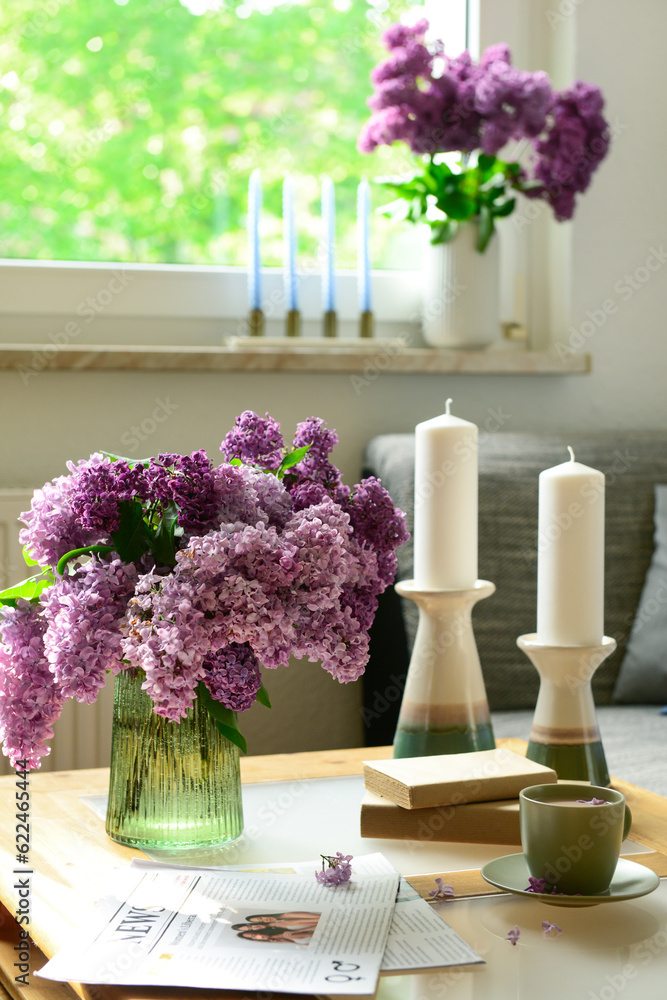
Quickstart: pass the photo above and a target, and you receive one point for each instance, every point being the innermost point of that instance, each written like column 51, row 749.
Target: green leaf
column 485, row 230
column 121, row 458
column 486, row 164
column 85, row 551
column 233, row 735
column 293, row 458
column 29, row 561
column 235, row 461
column 506, row 208
column 263, row 697
column 225, row 719
column 132, row 537
column 443, row 232
column 458, row 206
column 28, row 589
column 162, row 543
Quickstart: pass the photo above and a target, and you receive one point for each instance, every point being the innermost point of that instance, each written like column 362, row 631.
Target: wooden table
column 72, row 859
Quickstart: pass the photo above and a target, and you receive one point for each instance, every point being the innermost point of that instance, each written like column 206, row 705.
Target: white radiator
column 83, row 733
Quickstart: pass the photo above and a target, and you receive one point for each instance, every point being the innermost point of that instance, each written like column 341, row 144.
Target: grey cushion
column 509, row 468
column 643, row 674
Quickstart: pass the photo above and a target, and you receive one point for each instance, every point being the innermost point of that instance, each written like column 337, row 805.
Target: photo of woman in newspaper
column 293, row 927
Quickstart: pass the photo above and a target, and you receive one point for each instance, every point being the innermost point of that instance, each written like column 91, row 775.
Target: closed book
column 477, row 823
column 454, row 779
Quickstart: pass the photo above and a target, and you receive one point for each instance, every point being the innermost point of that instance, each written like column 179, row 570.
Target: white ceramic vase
column 461, row 292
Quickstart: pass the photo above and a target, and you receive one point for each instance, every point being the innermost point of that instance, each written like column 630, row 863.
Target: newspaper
column 418, row 936
column 169, row 926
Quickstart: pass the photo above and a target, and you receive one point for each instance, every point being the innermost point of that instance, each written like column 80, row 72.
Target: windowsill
column 372, row 356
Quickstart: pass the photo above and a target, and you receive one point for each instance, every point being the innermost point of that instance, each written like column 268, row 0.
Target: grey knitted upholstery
column 509, row 468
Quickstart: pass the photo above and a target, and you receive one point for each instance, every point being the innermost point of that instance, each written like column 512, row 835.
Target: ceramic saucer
column 630, row 880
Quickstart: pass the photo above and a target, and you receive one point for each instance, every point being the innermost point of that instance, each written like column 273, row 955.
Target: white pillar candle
column 445, row 528
column 570, row 555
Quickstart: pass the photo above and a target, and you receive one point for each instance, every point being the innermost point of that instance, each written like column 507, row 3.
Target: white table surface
column 607, row 951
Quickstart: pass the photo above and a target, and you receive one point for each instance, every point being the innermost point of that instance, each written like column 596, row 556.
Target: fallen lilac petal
column 592, row 802
column 513, row 935
column 550, row 930
column 443, row 891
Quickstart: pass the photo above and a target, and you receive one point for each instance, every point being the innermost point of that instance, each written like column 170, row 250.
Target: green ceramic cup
column 573, row 845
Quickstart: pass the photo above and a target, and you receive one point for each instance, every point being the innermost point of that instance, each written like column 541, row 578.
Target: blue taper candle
column 254, row 262
column 289, row 246
column 329, row 243
column 363, row 253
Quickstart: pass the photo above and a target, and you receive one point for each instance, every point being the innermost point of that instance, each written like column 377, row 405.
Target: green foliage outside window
column 130, row 127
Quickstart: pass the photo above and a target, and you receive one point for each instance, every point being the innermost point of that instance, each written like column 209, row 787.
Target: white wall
column 618, row 45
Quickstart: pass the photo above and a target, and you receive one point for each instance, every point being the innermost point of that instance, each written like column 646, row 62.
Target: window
column 116, row 150
column 132, row 126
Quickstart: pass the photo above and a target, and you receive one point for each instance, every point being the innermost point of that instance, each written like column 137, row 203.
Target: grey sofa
column 634, row 736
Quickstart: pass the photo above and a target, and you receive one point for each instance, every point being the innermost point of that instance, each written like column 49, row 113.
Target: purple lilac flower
column 513, row 935
column 550, row 930
column 82, row 613
column 337, row 871
column 593, row 802
column 190, row 482
column 542, row 886
column 315, row 466
column 100, row 488
column 53, row 527
column 254, row 440
column 513, row 103
column 575, row 144
column 437, row 104
column 165, row 633
column 30, row 698
column 233, row 676
column 442, row 891
column 275, row 573
column 377, row 524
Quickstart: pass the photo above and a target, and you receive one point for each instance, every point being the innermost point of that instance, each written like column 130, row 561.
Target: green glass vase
column 173, row 784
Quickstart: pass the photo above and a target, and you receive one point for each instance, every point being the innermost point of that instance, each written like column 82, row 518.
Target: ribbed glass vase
column 173, row 785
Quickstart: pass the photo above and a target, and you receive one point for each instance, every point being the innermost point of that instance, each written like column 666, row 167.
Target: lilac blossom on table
column 550, row 930
column 442, row 891
column 205, row 573
column 336, row 869
column 254, row 440
column 82, row 614
column 30, row 697
column 53, row 527
column 513, row 935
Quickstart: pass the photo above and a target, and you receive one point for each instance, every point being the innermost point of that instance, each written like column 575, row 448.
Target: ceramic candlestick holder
column 565, row 734
column 444, row 707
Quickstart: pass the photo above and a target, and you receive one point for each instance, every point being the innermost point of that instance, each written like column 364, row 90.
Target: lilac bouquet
column 193, row 574
column 438, row 105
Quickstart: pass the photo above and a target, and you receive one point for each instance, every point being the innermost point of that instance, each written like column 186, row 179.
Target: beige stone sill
column 356, row 357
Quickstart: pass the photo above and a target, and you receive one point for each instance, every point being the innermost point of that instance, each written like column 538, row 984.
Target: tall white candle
column 570, row 555
column 446, row 481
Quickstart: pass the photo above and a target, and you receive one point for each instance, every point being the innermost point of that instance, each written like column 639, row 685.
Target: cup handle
column 627, row 822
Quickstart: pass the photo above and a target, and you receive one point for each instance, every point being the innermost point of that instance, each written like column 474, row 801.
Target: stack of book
column 465, row 797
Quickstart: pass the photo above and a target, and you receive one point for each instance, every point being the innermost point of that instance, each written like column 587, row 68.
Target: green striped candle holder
column 565, row 734
column 444, row 708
